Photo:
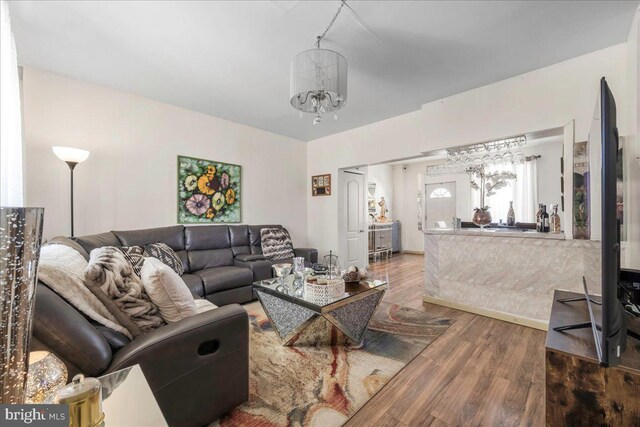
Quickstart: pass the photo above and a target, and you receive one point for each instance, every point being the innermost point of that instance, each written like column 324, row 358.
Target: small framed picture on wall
column 321, row 185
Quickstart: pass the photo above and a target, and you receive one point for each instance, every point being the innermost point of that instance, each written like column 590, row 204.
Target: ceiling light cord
column 319, row 38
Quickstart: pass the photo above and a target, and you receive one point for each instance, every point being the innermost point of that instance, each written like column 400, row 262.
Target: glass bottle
column 539, row 217
column 555, row 220
column 511, row 216
column 544, row 220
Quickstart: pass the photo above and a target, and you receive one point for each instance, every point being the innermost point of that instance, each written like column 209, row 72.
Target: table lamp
column 71, row 156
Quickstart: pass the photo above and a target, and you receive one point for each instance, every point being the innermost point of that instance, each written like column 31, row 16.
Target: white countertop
column 494, row 232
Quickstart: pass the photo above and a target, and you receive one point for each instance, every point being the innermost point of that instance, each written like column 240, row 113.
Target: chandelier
column 319, row 79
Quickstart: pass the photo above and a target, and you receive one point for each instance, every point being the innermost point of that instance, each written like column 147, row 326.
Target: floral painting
column 208, row 191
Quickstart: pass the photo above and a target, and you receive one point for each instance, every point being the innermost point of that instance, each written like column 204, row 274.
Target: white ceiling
column 231, row 59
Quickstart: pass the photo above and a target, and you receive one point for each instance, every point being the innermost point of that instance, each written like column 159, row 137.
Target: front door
column 441, row 204
column 355, row 227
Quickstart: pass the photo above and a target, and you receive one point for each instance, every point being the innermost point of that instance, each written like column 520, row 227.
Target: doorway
column 352, row 222
column 440, row 204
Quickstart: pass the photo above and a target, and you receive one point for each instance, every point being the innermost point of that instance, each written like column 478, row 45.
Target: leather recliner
column 198, row 368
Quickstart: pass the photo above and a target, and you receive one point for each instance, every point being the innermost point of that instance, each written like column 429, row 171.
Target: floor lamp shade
column 71, row 156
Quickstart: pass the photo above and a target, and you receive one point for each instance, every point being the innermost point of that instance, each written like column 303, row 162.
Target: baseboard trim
column 494, row 314
column 413, row 252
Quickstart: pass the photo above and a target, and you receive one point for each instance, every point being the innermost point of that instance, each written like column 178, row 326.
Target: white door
column 441, row 204
column 353, row 219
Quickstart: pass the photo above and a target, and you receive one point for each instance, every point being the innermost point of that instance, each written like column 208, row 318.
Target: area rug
column 325, row 386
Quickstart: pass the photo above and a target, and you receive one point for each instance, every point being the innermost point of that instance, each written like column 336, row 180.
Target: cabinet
column 380, row 240
column 578, row 390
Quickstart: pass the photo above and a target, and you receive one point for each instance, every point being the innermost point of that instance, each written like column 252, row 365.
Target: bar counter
column 509, row 275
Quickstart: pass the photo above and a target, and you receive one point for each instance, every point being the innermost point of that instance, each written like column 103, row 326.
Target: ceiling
column 231, row 59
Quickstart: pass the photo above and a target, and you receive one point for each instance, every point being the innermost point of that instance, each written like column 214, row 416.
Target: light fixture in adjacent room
column 319, row 79
column 71, row 156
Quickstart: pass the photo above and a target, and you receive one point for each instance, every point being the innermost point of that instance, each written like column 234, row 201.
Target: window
column 440, row 192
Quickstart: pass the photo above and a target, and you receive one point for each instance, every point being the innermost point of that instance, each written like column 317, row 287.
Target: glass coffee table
column 295, row 314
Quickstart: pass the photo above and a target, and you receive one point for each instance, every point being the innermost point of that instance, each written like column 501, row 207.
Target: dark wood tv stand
column 578, row 390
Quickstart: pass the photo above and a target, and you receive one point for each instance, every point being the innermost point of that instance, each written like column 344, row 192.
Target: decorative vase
column 481, row 217
column 511, row 216
column 20, row 239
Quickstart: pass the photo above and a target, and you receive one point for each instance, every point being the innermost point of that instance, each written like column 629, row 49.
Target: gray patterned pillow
column 276, row 243
column 164, row 253
column 135, row 255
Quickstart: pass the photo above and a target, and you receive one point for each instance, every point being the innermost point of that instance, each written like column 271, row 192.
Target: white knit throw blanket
column 61, row 268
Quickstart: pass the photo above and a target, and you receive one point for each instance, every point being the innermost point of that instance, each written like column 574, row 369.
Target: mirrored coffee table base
column 300, row 325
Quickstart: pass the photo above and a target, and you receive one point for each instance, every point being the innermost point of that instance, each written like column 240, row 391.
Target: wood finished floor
column 480, row 372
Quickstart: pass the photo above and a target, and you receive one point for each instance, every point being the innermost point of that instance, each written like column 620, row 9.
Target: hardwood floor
column 480, row 372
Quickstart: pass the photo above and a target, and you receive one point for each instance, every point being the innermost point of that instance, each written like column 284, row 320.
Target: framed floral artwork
column 208, row 191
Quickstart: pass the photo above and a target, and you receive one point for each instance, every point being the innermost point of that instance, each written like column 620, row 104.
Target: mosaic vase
column 20, row 238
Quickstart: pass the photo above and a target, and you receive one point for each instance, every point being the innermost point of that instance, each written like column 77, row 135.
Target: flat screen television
column 613, row 334
column 608, row 319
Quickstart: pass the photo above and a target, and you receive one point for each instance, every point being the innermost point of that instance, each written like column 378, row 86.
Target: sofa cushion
column 172, row 236
column 166, row 255
column 261, row 269
column 207, row 237
column 224, row 278
column 240, row 295
column 93, row 241
column 276, row 243
column 200, row 260
column 194, row 283
column 239, row 235
column 167, row 291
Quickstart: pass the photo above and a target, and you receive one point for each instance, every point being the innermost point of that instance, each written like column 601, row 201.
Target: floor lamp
column 71, row 156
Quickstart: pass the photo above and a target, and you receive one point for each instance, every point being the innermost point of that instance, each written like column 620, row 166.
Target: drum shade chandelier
column 319, row 79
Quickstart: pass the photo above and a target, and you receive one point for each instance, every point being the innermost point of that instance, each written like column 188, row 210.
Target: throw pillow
column 167, row 290
column 164, row 253
column 276, row 243
column 110, row 277
column 135, row 256
column 61, row 268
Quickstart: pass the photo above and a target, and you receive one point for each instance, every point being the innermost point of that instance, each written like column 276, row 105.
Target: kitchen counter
column 495, row 232
column 509, row 275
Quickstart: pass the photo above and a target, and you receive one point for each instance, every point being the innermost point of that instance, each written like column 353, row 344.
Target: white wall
column 382, row 177
column 129, row 180
column 543, row 99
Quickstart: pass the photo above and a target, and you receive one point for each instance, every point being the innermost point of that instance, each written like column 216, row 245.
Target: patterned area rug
column 325, row 386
